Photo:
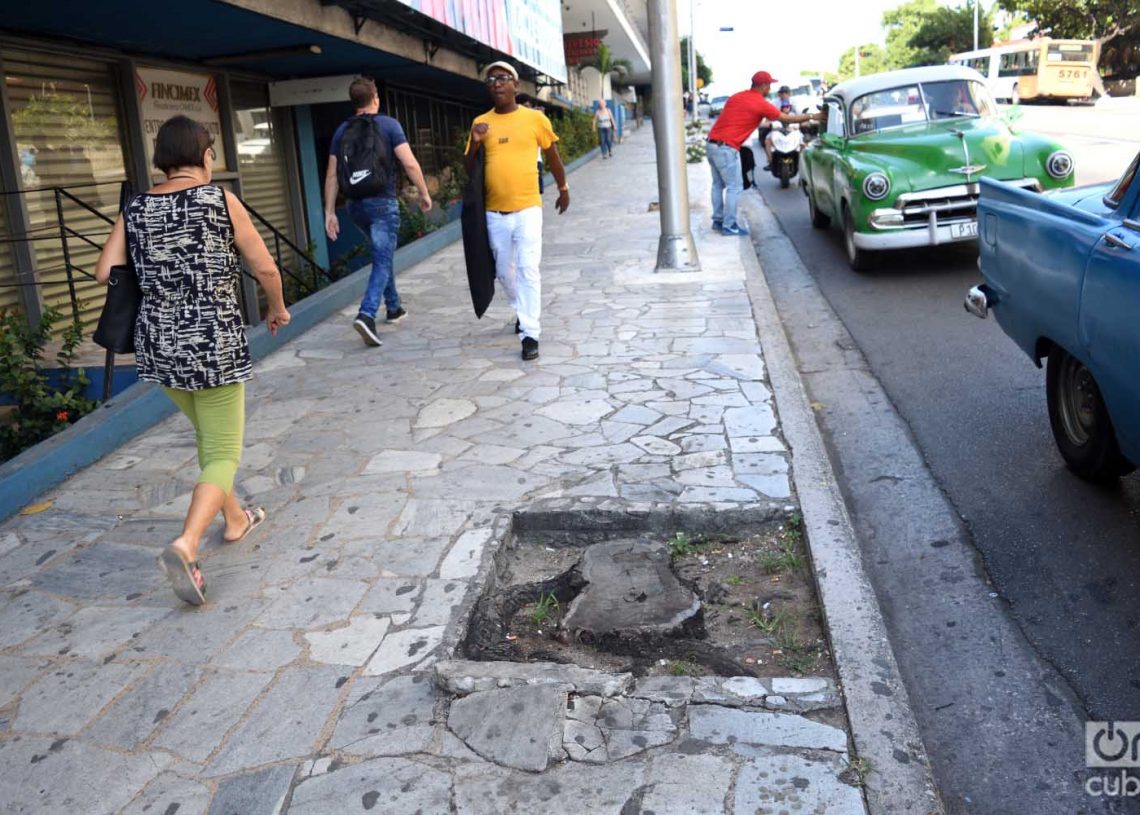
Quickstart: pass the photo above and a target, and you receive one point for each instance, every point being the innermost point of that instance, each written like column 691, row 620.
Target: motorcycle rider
column 785, row 109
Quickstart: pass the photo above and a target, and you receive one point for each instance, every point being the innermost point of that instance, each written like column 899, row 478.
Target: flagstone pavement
column 321, row 676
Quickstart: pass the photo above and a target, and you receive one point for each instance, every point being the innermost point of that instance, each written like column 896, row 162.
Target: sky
column 806, row 44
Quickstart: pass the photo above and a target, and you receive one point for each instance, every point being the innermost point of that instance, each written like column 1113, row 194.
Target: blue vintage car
column 1062, row 277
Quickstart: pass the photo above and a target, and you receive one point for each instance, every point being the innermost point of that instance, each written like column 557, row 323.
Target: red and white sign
column 581, row 47
column 164, row 93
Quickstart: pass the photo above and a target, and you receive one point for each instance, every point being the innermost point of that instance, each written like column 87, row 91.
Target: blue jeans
column 727, row 182
column 379, row 219
column 606, row 139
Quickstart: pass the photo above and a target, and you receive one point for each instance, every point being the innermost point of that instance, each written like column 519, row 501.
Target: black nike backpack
column 364, row 162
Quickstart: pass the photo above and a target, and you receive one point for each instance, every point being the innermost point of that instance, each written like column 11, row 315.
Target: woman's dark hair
column 181, row 142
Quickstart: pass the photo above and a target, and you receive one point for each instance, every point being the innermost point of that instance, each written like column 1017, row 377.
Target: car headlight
column 876, row 186
column 1059, row 165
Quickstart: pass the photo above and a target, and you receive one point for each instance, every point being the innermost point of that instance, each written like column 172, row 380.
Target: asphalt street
column 1063, row 557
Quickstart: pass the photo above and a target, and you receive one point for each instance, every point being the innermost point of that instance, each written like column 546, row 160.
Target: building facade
column 86, row 86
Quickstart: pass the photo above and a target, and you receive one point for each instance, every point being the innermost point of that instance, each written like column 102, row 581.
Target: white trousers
column 516, row 242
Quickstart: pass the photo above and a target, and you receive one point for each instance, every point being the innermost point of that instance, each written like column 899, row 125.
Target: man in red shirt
column 742, row 114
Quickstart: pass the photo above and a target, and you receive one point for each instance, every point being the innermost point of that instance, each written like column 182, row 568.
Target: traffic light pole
column 676, row 251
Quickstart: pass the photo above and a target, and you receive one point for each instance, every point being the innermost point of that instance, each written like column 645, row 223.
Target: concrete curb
column 143, row 405
column 883, row 725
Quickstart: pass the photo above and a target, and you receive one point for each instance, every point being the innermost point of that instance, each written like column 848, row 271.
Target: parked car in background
column 899, row 161
column 1062, row 277
column 716, row 105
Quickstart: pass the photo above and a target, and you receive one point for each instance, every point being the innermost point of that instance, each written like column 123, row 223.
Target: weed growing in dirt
column 797, row 656
column 786, row 557
column 735, row 580
column 768, row 622
column 684, row 667
column 681, row 545
column 856, row 772
column 544, row 609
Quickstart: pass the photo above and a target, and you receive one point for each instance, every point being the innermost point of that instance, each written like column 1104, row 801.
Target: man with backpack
column 361, row 166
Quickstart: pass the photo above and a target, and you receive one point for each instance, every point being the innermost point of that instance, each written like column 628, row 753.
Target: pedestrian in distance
column 604, row 128
column 509, row 135
column 186, row 239
column 742, row 114
column 361, row 166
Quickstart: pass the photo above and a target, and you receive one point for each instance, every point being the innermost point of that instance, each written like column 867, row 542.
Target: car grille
column 949, row 205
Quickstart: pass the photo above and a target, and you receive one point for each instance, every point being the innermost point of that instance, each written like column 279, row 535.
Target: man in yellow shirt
column 510, row 135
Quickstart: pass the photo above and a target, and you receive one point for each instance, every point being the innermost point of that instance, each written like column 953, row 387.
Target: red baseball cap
column 762, row 78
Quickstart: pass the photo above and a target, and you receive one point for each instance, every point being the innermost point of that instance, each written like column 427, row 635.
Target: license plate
column 969, row 230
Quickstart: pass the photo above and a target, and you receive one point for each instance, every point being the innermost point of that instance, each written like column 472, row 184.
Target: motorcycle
column 786, row 146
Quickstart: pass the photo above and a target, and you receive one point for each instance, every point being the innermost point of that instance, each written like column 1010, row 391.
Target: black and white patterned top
column 190, row 334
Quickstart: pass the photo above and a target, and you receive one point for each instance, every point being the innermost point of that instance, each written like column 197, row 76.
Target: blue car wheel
column 1080, row 422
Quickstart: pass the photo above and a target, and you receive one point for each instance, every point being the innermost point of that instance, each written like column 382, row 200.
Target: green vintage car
column 897, row 163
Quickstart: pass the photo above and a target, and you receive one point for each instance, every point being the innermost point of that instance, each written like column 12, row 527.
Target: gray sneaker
column 366, row 327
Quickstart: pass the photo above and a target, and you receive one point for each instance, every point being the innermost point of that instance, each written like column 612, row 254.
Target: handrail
column 279, row 237
column 63, row 232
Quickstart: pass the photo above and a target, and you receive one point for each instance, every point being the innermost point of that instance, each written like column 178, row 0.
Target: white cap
column 506, row 66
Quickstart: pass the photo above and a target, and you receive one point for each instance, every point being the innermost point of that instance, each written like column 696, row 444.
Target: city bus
column 1036, row 69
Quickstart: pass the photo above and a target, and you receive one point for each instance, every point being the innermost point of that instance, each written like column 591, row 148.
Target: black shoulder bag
column 116, row 328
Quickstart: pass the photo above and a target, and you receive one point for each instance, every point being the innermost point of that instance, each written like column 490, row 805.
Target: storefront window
column 65, row 118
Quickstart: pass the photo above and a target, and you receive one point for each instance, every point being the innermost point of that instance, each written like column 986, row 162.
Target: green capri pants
column 218, row 416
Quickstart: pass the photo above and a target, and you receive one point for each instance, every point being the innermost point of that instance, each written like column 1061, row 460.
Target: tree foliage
column 901, row 25
column 872, row 60
column 704, row 72
column 947, row 31
column 605, row 63
column 922, row 32
column 1079, row 19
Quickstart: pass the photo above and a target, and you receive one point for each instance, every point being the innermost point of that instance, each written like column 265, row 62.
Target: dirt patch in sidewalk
column 759, row 614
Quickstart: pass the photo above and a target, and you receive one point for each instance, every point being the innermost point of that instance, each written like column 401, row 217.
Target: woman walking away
column 184, row 237
column 604, row 127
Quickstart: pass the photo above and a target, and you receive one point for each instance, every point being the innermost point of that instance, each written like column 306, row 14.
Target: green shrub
column 576, row 135
column 42, row 409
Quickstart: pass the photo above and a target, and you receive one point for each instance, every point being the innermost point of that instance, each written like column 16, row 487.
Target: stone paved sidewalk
column 322, row 676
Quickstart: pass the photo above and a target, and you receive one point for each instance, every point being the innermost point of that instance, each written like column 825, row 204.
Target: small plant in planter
column 42, row 408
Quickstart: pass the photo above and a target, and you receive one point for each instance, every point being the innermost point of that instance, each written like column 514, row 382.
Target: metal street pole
column 975, row 25
column 693, row 97
column 676, row 251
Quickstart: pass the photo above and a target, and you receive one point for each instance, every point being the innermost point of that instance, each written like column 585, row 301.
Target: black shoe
column 529, row 348
column 767, row 168
column 518, row 328
column 396, row 316
column 366, row 327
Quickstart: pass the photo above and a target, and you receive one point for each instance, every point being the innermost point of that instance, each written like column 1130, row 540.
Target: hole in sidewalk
column 728, row 604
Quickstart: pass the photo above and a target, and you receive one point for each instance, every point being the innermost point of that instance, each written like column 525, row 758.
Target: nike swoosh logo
column 359, row 176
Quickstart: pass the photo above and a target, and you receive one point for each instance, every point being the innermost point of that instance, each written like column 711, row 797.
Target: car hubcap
column 1078, row 401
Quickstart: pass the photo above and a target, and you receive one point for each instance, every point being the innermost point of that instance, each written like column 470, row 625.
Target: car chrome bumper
column 978, row 301
column 907, row 238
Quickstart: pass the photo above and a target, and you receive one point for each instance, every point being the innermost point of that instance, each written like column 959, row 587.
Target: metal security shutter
column 65, row 114
column 261, row 164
